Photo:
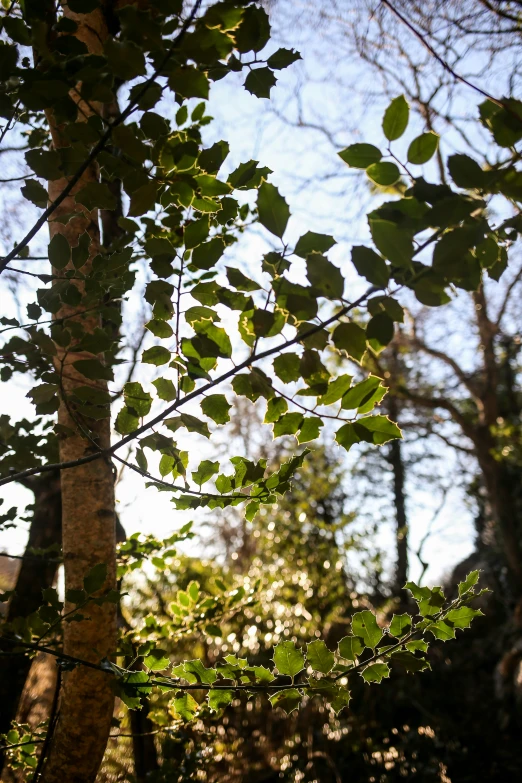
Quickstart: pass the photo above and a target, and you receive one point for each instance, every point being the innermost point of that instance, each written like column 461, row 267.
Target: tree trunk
column 88, row 519
column 143, row 745
column 396, row 462
column 504, row 509
column 36, row 574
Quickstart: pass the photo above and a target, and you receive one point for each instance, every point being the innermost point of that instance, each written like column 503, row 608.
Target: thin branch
column 441, row 61
column 450, row 361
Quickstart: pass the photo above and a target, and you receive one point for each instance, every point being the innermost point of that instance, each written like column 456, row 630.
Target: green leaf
column 126, row 60
column 59, row 251
column 95, row 579
column 346, row 436
column 159, row 328
column 417, row 645
column 380, row 331
column 288, row 424
column 192, row 424
column 462, row 617
column 350, row 647
column 410, row 662
column 361, row 393
column 254, row 31
column 364, row 624
column 351, row 338
column 423, row 148
column 309, row 429
column 43, row 393
column 133, row 688
column 431, row 606
column 200, row 672
column 143, row 199
column 319, row 656
column 206, row 255
column 400, row 625
column 260, row 81
column 325, row 278
column 288, row 659
column 288, row 700
column 313, row 243
column 93, row 369
column 17, row 30
column 469, row 582
column 96, row 195
column 45, row 164
column 360, row 156
column 185, row 706
column 216, row 407
column 273, row 209
column 241, row 281
column 287, row 367
column 189, row 82
column 76, row 596
column 503, row 121
column 282, row 58
column 248, row 175
column 384, row 173
column 370, row 265
column 34, row 192
column 392, row 241
column 212, row 158
column 196, row 232
column 419, row 593
column 156, row 355
column 465, row 172
column 275, row 409
column 388, row 305
column 381, row 429
column 126, row 421
column 396, row 118
column 219, row 699
column 157, row 660
column 336, row 389
column 205, row 471
column 442, row 631
column 80, row 253
column 136, row 398
column 376, row 672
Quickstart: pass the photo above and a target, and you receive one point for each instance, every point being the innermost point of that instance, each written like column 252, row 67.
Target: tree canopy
column 108, row 102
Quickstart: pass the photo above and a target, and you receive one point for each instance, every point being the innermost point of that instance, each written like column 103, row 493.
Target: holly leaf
column 364, row 624
column 95, row 579
column 400, row 625
column 273, row 209
column 216, row 407
column 470, row 581
column 288, row 700
column 260, row 81
column 376, row 672
column 288, row 659
column 157, row 660
column 185, row 706
column 319, row 656
column 350, row 647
